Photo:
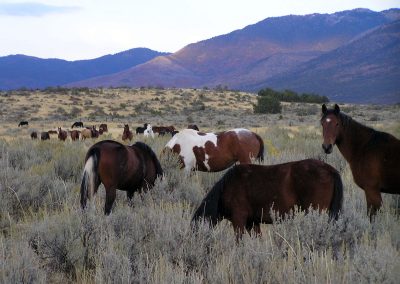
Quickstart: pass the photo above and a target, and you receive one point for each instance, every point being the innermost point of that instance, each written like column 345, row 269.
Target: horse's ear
column 337, row 109
column 324, row 109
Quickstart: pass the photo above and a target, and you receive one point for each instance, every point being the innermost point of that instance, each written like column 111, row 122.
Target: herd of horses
column 249, row 194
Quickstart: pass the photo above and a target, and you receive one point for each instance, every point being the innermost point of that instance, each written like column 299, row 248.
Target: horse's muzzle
column 327, row 148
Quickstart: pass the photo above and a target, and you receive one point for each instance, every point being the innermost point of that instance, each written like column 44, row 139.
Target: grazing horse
column 193, row 126
column 34, row 135
column 77, row 124
column 149, row 131
column 127, row 168
column 45, row 135
column 140, row 129
column 163, row 129
column 74, row 135
column 62, row 134
column 374, row 156
column 52, row 132
column 246, row 194
column 22, row 123
column 213, row 152
column 127, row 134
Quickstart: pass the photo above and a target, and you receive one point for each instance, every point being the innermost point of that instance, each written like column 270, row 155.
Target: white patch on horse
column 187, row 140
column 238, row 130
column 328, row 120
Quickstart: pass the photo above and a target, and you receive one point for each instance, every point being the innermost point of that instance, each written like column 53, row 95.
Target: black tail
column 90, row 175
column 144, row 147
column 211, row 207
column 337, row 199
column 260, row 155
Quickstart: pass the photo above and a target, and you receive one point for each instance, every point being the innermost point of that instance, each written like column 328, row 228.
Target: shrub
column 267, row 104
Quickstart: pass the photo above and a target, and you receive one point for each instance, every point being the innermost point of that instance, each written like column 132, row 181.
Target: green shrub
column 267, row 104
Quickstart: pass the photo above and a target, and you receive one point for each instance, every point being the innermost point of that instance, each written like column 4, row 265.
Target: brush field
column 46, row 238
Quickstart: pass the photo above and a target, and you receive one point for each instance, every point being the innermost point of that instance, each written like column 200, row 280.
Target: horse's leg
column 374, row 201
column 110, row 198
column 239, row 222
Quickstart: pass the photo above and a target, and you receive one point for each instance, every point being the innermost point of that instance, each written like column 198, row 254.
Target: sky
column 85, row 29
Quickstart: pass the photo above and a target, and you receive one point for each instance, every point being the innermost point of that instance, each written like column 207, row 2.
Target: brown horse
column 103, row 128
column 374, row 156
column 215, row 152
column 86, row 133
column 44, row 135
column 34, row 135
column 74, row 135
column 246, row 194
column 127, row 134
column 128, row 168
column 62, row 134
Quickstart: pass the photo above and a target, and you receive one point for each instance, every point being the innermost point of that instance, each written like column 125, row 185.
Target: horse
column 127, row 134
column 74, row 135
column 163, row 129
column 247, row 193
column 77, row 124
column 52, row 132
column 34, row 135
column 95, row 132
column 62, row 134
column 22, row 123
column 45, row 135
column 193, row 126
column 213, row 152
column 149, row 131
column 103, row 128
column 140, row 129
column 127, row 168
column 374, row 156
column 86, row 133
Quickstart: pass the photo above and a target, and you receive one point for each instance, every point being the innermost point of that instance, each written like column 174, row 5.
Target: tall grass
column 47, row 238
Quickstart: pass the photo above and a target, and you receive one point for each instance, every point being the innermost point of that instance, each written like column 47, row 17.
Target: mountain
column 366, row 69
column 18, row 71
column 252, row 55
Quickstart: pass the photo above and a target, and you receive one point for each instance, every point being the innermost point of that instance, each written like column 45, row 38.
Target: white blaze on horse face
column 187, row 139
column 328, row 120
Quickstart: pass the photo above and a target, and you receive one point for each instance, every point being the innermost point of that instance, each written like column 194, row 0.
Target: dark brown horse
column 128, row 168
column 44, row 135
column 246, row 194
column 103, row 128
column 215, row 152
column 62, row 134
column 77, row 124
column 127, row 134
column 374, row 156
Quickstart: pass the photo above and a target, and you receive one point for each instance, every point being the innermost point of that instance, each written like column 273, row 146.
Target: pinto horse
column 213, row 152
column 140, row 129
column 374, row 156
column 246, row 194
column 127, row 168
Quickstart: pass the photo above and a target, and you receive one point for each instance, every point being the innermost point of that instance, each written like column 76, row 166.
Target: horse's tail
column 211, row 207
column 260, row 155
column 146, row 148
column 90, row 175
column 337, row 198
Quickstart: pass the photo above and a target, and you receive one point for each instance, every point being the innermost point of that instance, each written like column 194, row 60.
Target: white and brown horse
column 213, row 152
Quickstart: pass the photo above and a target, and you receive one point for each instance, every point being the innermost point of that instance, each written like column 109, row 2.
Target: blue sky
column 84, row 29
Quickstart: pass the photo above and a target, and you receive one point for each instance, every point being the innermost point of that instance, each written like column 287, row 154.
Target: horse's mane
column 145, row 148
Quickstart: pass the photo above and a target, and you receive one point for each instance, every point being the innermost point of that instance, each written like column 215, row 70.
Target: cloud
column 32, row 9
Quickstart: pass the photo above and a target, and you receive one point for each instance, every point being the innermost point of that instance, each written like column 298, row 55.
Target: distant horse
column 95, row 132
column 148, row 131
column 103, row 128
column 140, row 129
column 246, row 194
column 77, row 124
column 215, row 152
column 374, row 156
column 74, row 135
column 44, row 135
column 127, row 168
column 62, row 134
column 193, row 126
column 22, row 123
column 127, row 134
column 86, row 133
column 34, row 135
column 163, row 129
column 52, row 132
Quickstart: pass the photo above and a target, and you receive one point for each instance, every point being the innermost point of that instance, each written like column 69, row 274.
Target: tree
column 267, row 104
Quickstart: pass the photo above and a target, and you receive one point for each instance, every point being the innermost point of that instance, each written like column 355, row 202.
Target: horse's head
column 330, row 122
